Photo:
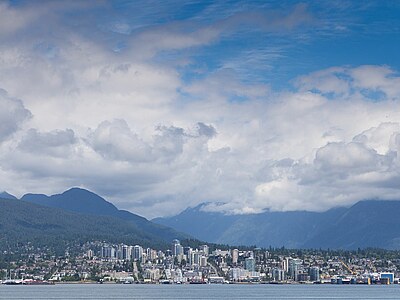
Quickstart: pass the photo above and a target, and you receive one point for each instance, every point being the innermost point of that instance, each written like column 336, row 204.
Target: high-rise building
column 235, row 256
column 89, row 254
column 278, row 274
column 186, row 250
column 189, row 255
column 125, row 252
column 196, row 258
column 129, row 252
column 250, row 264
column 204, row 249
column 177, row 248
column 285, row 264
column 293, row 271
column 108, row 252
column 151, row 254
column 137, row 252
column 119, row 252
column 258, row 255
column 314, row 274
column 203, row 261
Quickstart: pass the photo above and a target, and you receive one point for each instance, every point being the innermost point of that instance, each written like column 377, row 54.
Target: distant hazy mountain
column 86, row 202
column 365, row 224
column 5, row 195
column 21, row 221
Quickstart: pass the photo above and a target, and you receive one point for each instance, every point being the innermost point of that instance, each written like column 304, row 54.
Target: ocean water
column 116, row 291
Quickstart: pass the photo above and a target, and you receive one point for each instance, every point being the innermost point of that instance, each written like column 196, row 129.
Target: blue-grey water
column 114, row 291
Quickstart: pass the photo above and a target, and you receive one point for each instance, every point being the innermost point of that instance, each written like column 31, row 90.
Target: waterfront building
column 152, row 274
column 278, row 274
column 314, row 274
column 293, row 271
column 389, row 276
column 303, row 277
column 238, row 274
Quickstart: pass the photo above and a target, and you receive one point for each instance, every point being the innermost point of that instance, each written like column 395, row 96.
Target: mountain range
column 366, row 224
column 76, row 214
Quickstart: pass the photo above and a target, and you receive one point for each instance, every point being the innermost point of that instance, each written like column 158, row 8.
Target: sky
column 161, row 105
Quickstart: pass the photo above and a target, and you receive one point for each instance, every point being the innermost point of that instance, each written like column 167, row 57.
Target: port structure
column 352, row 272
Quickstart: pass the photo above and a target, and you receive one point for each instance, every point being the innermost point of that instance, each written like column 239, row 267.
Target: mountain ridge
column 83, row 201
column 22, row 222
column 368, row 223
column 5, row 195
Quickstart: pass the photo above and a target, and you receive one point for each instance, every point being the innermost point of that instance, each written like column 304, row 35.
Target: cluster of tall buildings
column 183, row 263
column 190, row 256
column 294, row 270
column 126, row 252
column 180, row 254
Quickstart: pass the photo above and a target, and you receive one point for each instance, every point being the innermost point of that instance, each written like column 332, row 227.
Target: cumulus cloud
column 340, row 174
column 115, row 140
column 279, row 151
column 140, row 133
column 12, row 114
column 54, row 143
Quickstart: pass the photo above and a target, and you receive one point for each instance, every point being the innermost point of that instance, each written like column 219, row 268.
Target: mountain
column 21, row 221
column 75, row 199
column 365, row 224
column 5, row 195
column 86, row 202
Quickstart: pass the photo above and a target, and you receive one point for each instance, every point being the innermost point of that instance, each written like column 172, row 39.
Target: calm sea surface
column 114, row 291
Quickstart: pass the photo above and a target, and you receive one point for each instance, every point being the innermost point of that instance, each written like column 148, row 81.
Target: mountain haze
column 365, row 224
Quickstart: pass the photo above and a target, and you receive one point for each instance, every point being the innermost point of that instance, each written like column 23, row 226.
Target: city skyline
column 160, row 106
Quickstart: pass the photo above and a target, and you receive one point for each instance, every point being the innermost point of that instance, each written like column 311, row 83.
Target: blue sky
column 335, row 33
column 161, row 105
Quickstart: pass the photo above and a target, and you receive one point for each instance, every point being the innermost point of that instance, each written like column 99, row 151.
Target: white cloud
column 136, row 132
column 371, row 82
column 115, row 140
column 12, row 20
column 280, row 151
column 54, row 143
column 12, row 114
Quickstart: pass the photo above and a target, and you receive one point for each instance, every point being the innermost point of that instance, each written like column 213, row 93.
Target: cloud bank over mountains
column 109, row 104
